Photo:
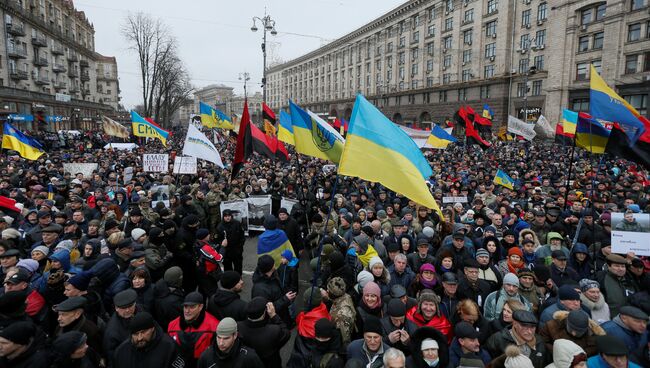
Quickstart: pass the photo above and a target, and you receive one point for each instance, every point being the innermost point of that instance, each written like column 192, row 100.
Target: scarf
column 428, row 284
column 514, row 269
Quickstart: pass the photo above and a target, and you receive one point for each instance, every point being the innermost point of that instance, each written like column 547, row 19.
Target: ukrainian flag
column 378, row 150
column 273, row 243
column 569, row 122
column 487, row 112
column 285, row 129
column 313, row 136
column 591, row 134
column 439, row 138
column 143, row 128
column 503, row 179
column 605, row 104
column 213, row 118
column 26, row 147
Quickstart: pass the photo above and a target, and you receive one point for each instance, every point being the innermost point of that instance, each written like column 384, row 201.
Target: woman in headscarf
column 427, row 278
column 369, row 305
column 513, row 263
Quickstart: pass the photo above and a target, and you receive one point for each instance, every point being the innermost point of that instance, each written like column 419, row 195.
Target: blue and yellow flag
column 487, row 112
column 213, row 118
column 503, row 179
column 285, row 129
column 591, row 134
column 26, row 147
column 378, row 150
column 439, row 138
column 313, row 136
column 143, row 128
column 605, row 104
column 273, row 243
column 569, row 122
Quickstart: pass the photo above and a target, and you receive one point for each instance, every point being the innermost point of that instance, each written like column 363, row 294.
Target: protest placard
column 521, row 128
column 454, row 199
column 185, row 165
column 239, row 210
column 85, row 169
column 258, row 208
column 630, row 233
column 154, row 162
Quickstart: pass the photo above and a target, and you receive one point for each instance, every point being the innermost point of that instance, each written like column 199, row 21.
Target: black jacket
column 117, row 331
column 291, row 228
column 232, row 231
column 159, row 352
column 477, row 291
column 168, row 303
column 239, row 356
column 271, row 289
column 226, row 303
column 416, row 360
column 267, row 337
column 328, row 354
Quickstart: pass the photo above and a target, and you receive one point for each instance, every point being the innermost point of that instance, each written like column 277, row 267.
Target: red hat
column 517, row 251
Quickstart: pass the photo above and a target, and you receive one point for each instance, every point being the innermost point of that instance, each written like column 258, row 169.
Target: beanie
column 374, row 261
column 174, row 277
column 482, row 252
column 515, row 251
column 81, row 280
column 141, row 321
column 586, row 284
column 311, row 294
column 137, row 233
column 41, row 248
column 336, row 287
column 229, row 279
column 202, row 233
column 67, row 343
column 324, row 328
column 567, row 292
column 396, row 308
column 28, row 264
column 265, row 263
column 372, row 288
column 256, row 307
column 226, row 327
column 372, row 324
column 270, row 222
column 515, row 359
column 428, row 232
column 364, row 277
column 511, row 279
column 428, row 295
column 19, row 332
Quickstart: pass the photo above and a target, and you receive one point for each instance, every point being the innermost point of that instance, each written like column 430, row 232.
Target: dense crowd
column 95, row 276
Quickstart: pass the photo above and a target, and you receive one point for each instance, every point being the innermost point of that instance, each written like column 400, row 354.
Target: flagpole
column 566, row 193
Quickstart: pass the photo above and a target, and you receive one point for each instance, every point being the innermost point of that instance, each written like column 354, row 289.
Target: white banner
column 185, row 165
column 155, row 162
column 199, row 146
column 128, row 175
column 630, row 233
column 85, row 169
column 258, row 208
column 454, row 199
column 288, row 203
column 239, row 210
column 521, row 128
column 545, row 127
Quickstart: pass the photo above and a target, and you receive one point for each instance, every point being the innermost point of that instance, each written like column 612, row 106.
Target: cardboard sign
column 85, row 169
column 154, row 162
column 185, row 165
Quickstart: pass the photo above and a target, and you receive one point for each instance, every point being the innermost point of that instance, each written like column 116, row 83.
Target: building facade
column 254, row 106
column 215, row 95
column 49, row 69
column 422, row 60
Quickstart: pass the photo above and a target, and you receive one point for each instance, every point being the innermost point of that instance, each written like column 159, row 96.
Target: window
column 636, row 4
column 414, row 69
column 598, row 41
column 462, row 94
column 402, row 41
column 432, row 13
column 600, row 11
column 429, row 82
column 416, row 21
column 449, row 6
column 631, row 64
column 449, row 24
column 401, row 72
column 389, row 47
column 490, row 50
column 634, row 32
column 524, row 42
column 448, row 41
column 431, row 31
column 378, row 65
column 488, row 71
column 540, row 38
column 583, row 43
column 401, row 57
column 521, row 89
column 582, row 71
column 446, row 61
column 597, row 65
column 580, row 104
column 446, row 78
column 537, row 88
column 389, row 75
column 585, row 16
column 538, row 61
column 389, row 61
column 466, row 75
column 467, row 56
column 401, row 87
column 646, row 63
column 429, row 65
column 523, row 65
column 430, row 49
column 639, row 102
column 541, row 12
column 469, row 16
column 485, row 92
column 491, row 28
column 467, row 37
column 414, row 84
column 415, row 53
column 525, row 18
column 492, row 6
column 442, row 96
column 416, row 36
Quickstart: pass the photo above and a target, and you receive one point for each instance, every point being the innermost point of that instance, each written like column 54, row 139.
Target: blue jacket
column 405, row 279
column 456, row 352
column 112, row 280
column 356, row 351
column 62, row 256
column 632, row 340
column 597, row 362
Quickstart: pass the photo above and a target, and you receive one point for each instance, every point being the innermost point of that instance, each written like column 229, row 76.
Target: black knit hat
column 229, row 279
column 256, row 308
column 372, row 324
column 141, row 321
column 265, row 263
column 19, row 332
column 324, row 328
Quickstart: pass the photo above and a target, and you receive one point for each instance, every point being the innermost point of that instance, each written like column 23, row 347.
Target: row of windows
column 639, row 102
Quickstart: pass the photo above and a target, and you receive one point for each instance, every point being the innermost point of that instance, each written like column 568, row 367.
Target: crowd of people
column 95, row 276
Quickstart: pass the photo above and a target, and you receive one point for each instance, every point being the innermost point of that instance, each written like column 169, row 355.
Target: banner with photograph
column 85, row 169
column 288, row 203
column 185, row 165
column 159, row 193
column 258, row 208
column 155, row 162
column 630, row 233
column 239, row 210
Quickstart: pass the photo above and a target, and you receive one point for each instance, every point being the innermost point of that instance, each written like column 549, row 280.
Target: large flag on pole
column 268, row 116
column 313, row 136
column 439, row 138
column 285, row 129
column 591, row 134
column 113, row 128
column 375, row 145
column 199, row 146
column 143, row 128
column 26, row 147
column 213, row 118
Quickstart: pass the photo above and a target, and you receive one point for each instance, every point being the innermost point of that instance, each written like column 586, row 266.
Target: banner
column 185, row 165
column 85, row 169
column 128, row 175
column 239, row 210
column 630, row 233
column 258, row 208
column 288, row 203
column 454, row 199
column 155, row 162
column 544, row 127
column 159, row 193
column 195, row 120
column 518, row 127
column 199, row 146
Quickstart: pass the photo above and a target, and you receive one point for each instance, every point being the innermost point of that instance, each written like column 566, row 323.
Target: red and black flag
column 465, row 116
column 565, row 139
column 268, row 116
column 619, row 145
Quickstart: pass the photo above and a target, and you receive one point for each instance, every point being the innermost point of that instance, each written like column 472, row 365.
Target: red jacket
column 190, row 337
column 439, row 322
column 307, row 321
column 35, row 302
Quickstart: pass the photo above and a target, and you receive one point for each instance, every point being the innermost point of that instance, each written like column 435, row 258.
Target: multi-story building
column 49, row 69
column 254, row 106
column 215, row 95
column 422, row 60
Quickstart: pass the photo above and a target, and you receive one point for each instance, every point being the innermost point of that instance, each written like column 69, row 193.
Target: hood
column 106, row 271
column 528, row 231
column 580, row 248
column 429, row 333
column 564, row 351
column 223, row 298
column 62, row 256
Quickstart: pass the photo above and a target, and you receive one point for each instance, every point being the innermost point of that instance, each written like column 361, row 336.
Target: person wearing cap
column 612, row 353
column 230, row 235
column 209, row 262
column 122, row 253
column 581, row 261
column 264, row 331
column 71, row 317
column 397, row 330
column 521, row 334
column 466, row 344
column 226, row 301
column 615, row 283
column 428, row 314
column 575, row 326
column 290, row 227
column 471, row 286
column 495, row 300
column 147, row 345
column 35, row 234
column 71, row 350
column 421, row 255
column 133, row 220
column 325, row 350
column 8, row 260
column 629, row 326
column 449, row 299
column 568, row 299
column 267, row 284
column 486, row 257
column 460, row 246
column 529, row 290
column 195, row 322
column 561, row 273
column 228, row 349
column 19, row 280
column 342, row 310
column 429, row 348
column 513, row 262
column 369, row 349
column 554, row 242
column 20, row 348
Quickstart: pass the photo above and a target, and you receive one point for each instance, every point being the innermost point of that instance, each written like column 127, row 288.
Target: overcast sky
column 215, row 39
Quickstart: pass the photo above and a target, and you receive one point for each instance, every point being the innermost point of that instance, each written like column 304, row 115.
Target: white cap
column 429, row 344
column 137, row 233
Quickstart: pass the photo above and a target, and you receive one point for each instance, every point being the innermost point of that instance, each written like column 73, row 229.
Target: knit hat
column 324, row 328
column 256, row 307
column 586, row 284
column 428, row 232
column 174, row 277
column 578, row 322
column 226, row 327
column 137, row 233
column 396, row 308
column 29, row 265
column 19, row 332
column 372, row 288
column 141, row 321
column 567, row 292
column 265, row 263
column 41, row 248
column 336, row 287
column 374, row 261
column 429, row 344
column 372, row 324
column 67, row 343
column 515, row 251
column 427, row 267
column 229, row 279
column 364, row 277
column 482, row 252
column 511, row 279
column 270, row 222
column 525, row 272
column 470, row 360
column 287, row 254
column 202, row 233
column 381, row 214
column 311, row 294
column 81, row 280
column 10, row 233
column 428, row 295
column 515, row 359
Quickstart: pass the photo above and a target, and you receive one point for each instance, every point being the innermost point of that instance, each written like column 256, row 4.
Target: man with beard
column 231, row 236
column 148, row 346
column 226, row 301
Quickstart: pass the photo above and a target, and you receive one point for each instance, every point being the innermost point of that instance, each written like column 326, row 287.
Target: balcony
column 83, row 63
column 16, row 30
column 39, row 41
column 60, row 85
column 73, row 57
column 85, row 77
column 85, row 91
column 18, row 74
column 40, row 61
column 16, row 53
column 72, row 73
column 41, row 81
column 59, row 68
column 73, row 89
column 57, row 50
column 107, row 76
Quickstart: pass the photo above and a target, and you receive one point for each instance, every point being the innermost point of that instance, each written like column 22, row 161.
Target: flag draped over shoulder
column 143, row 128
column 503, row 179
column 273, row 243
column 268, row 116
column 313, row 136
column 199, row 146
column 285, row 129
column 213, row 118
column 113, row 128
column 377, row 150
column 591, row 134
column 26, row 147
column 439, row 138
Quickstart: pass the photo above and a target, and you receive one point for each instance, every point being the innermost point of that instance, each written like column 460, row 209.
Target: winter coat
column 389, row 327
column 405, row 278
column 357, row 350
column 561, row 277
column 598, row 362
column 193, row 338
column 477, row 292
column 495, row 301
column 343, row 316
column 599, row 310
column 585, row 269
column 616, row 291
column 498, row 343
column 86, row 326
column 563, row 353
column 641, row 356
column 548, row 312
column 292, row 229
column 267, row 337
column 556, row 329
column 288, row 275
column 439, row 322
column 168, row 302
column 111, row 279
column 456, row 353
column 160, row 352
column 327, row 354
column 34, row 357
column 416, row 360
column 239, row 356
column 270, row 287
column 617, row 328
column 116, row 332
column 226, row 303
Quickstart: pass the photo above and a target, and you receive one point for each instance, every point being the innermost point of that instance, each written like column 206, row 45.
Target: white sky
column 214, row 37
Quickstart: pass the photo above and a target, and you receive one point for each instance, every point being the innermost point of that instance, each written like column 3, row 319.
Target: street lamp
column 245, row 76
column 268, row 24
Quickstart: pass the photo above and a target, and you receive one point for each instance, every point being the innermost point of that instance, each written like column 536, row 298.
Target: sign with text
column 185, row 165
column 128, row 175
column 631, row 233
column 454, row 199
column 154, row 162
column 521, row 128
column 85, row 169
